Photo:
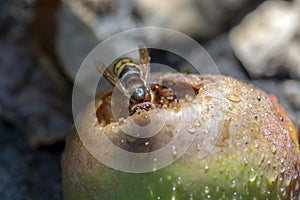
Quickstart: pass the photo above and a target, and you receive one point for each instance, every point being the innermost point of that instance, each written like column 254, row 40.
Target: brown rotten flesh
column 255, row 154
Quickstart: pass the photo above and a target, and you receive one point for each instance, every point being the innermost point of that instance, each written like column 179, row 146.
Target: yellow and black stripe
column 125, row 65
column 130, row 72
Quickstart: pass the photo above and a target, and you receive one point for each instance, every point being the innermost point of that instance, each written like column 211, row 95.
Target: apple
column 244, row 146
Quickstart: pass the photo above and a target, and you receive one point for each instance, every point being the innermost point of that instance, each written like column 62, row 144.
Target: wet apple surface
column 255, row 153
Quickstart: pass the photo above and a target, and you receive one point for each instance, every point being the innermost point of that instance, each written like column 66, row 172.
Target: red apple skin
column 256, row 155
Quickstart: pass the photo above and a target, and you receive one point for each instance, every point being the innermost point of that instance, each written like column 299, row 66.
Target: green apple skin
column 252, row 159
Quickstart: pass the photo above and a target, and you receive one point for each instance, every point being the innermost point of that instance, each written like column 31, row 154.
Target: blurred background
column 43, row 42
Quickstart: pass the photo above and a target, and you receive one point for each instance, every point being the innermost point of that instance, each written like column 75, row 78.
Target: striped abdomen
column 130, row 72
